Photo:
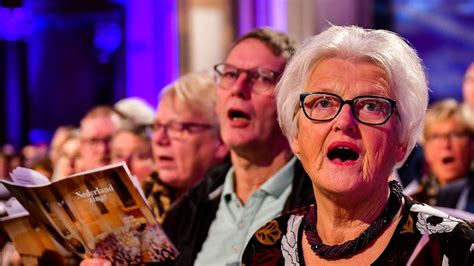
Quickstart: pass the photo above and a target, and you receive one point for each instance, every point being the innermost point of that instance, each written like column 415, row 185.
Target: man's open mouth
column 165, row 158
column 238, row 115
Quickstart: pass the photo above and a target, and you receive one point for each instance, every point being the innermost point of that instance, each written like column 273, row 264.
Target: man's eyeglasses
column 263, row 79
column 94, row 142
column 369, row 110
column 178, row 130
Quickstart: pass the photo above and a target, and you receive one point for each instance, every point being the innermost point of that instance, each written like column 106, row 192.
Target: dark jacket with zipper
column 187, row 222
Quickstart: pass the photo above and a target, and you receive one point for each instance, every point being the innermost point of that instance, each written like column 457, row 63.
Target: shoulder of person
column 275, row 243
column 212, row 181
column 200, row 193
column 215, row 176
column 430, row 220
column 449, row 237
column 302, row 192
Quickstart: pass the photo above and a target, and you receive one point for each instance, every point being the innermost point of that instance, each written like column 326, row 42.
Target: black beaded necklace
column 351, row 247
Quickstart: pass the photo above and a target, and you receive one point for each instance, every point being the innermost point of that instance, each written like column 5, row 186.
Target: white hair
column 446, row 109
column 197, row 91
column 386, row 49
column 136, row 110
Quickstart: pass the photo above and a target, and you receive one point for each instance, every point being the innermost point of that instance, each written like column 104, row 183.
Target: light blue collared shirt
column 236, row 223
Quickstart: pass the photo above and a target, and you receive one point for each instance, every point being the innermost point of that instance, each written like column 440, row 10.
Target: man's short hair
column 103, row 111
column 197, row 91
column 278, row 42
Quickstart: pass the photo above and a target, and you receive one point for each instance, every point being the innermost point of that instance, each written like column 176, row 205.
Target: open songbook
column 98, row 213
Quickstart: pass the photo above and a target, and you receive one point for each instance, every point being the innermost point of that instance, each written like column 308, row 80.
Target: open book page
column 98, row 213
column 24, row 176
column 13, row 209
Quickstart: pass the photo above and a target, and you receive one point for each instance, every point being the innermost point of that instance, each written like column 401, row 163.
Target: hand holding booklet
column 95, row 214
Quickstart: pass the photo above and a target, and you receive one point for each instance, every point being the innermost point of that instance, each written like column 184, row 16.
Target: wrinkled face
column 247, row 118
column 135, row 151
column 96, row 135
column 468, row 85
column 449, row 149
column 343, row 155
column 184, row 159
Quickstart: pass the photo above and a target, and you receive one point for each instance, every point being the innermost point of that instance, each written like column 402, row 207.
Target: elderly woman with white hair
column 351, row 103
column 186, row 140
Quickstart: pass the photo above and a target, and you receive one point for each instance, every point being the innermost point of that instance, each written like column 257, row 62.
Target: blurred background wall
column 60, row 58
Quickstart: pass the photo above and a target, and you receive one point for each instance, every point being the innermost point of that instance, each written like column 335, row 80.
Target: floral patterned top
column 424, row 236
column 159, row 196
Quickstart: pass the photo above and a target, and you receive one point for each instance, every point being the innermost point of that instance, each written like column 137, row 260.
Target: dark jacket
column 187, row 222
column 448, row 196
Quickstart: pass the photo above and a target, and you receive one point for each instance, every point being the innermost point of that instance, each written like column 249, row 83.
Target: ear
column 401, row 152
column 221, row 151
column 295, row 145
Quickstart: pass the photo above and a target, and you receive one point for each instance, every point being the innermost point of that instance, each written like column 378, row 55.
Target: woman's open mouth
column 343, row 152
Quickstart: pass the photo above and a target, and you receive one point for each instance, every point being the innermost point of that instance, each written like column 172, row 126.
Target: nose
column 446, row 141
column 160, row 136
column 70, row 161
column 345, row 120
column 242, row 85
column 103, row 147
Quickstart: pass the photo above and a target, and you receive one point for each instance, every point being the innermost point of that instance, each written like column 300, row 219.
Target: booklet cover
column 95, row 214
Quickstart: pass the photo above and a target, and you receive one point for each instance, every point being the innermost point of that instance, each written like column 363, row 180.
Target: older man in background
column 214, row 221
column 97, row 129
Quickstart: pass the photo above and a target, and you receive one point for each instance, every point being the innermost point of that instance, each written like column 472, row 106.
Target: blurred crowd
column 442, row 168
column 170, row 149
column 181, row 139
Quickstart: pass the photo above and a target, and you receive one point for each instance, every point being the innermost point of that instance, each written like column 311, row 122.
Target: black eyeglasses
column 179, row 130
column 369, row 110
column 263, row 79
